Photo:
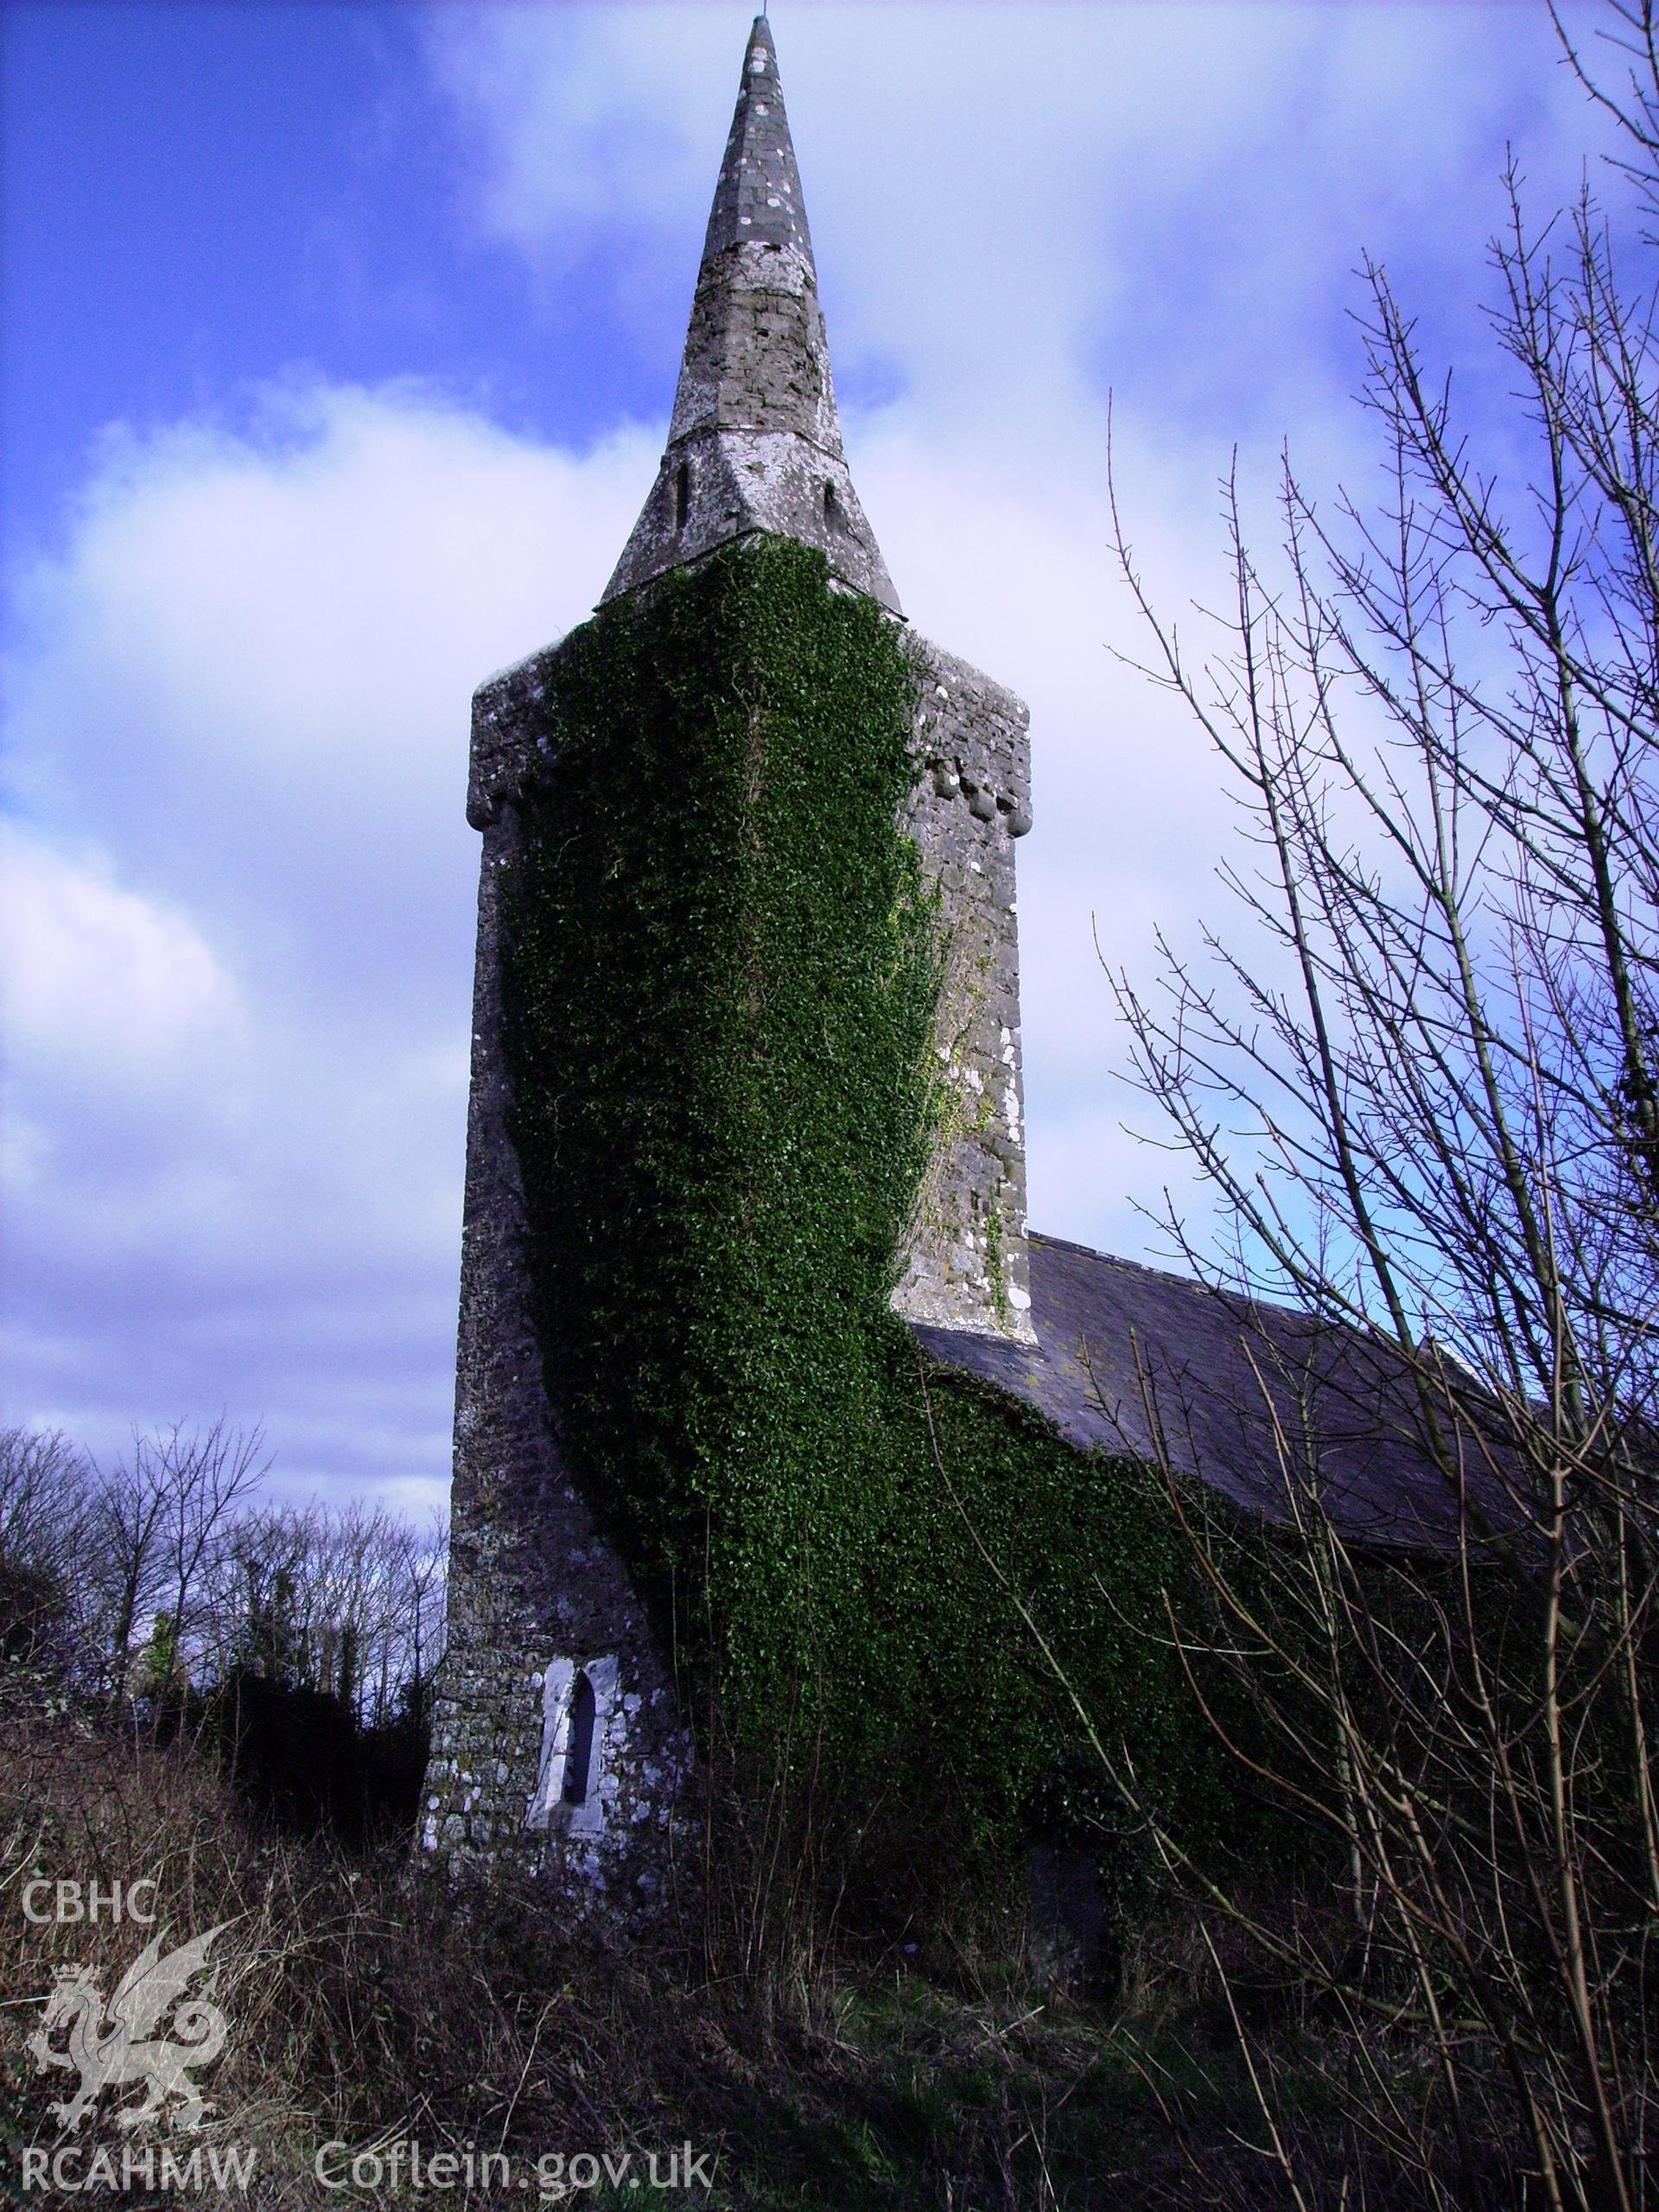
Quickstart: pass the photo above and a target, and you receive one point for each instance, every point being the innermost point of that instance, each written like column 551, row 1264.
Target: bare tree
column 159, row 1519
column 348, row 1601
column 122, row 1575
column 204, row 1477
column 46, row 1486
column 167, row 1572
column 1429, row 1103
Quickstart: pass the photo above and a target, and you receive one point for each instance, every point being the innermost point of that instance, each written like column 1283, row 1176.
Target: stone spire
column 755, row 440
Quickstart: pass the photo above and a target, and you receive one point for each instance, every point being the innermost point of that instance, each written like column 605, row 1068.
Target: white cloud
column 1013, row 206
column 255, row 662
column 239, row 1042
column 94, row 974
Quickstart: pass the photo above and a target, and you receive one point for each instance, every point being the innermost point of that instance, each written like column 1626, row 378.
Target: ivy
column 721, row 972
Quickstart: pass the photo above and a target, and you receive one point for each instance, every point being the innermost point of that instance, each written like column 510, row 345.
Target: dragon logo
column 112, row 2052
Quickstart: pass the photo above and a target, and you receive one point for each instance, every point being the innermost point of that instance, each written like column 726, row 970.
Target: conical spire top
column 754, row 444
column 758, row 199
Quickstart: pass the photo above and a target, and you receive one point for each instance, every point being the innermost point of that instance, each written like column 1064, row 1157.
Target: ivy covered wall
column 719, row 970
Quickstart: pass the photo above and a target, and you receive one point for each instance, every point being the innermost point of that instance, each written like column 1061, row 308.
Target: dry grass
column 368, row 2005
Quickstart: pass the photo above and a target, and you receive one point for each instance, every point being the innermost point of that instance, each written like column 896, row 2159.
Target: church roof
column 754, row 443
column 1212, row 1364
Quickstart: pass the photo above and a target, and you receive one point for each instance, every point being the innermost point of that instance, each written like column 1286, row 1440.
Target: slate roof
column 1103, row 1322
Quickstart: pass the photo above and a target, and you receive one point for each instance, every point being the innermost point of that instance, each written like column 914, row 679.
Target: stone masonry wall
column 537, row 1595
column 967, row 1266
column 754, row 444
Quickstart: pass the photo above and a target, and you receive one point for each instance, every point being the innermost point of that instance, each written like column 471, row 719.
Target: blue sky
column 337, row 345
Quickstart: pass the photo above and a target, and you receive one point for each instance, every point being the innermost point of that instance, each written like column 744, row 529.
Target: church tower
column 670, row 1048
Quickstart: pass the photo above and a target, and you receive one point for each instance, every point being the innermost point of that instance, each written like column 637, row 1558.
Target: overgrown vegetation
column 1423, row 1087
column 365, row 2009
column 722, row 969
